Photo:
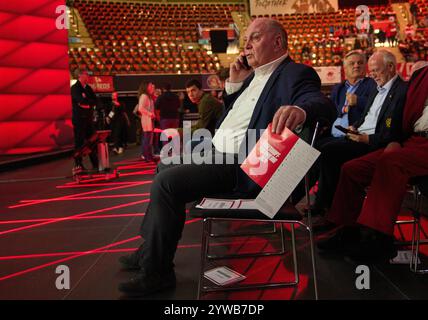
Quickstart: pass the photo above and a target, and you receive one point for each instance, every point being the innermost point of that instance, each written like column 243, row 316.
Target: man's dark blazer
column 290, row 84
column 363, row 92
column 82, row 95
column 393, row 104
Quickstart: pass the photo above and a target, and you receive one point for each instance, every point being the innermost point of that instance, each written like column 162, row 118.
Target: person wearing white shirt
column 371, row 132
column 372, row 188
column 274, row 90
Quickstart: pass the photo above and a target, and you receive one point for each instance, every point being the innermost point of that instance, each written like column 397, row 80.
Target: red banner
column 101, row 83
column 404, row 70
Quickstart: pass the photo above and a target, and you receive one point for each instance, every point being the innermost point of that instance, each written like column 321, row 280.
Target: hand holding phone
column 245, row 63
column 345, row 130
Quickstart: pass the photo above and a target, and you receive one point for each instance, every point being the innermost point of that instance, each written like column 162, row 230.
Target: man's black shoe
column 340, row 241
column 131, row 262
column 374, row 246
column 145, row 283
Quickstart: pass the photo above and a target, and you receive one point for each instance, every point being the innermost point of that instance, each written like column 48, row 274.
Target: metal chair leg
column 293, row 245
column 206, row 226
column 314, row 269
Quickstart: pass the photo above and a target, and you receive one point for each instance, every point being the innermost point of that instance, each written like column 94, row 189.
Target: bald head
column 265, row 41
column 382, row 67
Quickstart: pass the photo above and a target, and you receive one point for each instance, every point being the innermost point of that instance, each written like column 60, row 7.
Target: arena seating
column 141, row 37
column 318, row 39
column 148, row 37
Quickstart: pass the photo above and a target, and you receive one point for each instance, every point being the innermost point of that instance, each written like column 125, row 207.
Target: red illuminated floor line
column 74, row 185
column 137, row 173
column 106, row 216
column 136, row 166
column 71, row 217
column 183, row 246
column 88, row 182
column 132, row 161
column 129, row 185
column 96, row 179
column 20, row 273
column 110, row 196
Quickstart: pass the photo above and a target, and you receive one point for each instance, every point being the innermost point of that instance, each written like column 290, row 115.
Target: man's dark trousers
column 172, row 188
column 83, row 130
column 334, row 153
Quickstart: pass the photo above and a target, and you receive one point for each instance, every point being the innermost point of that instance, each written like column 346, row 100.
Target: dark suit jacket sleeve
column 76, row 94
column 363, row 94
column 92, row 98
column 396, row 133
column 334, row 97
column 385, row 135
column 307, row 95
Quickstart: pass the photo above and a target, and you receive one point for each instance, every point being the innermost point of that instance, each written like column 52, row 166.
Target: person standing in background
column 147, row 111
column 209, row 108
column 119, row 123
column 83, row 101
column 168, row 104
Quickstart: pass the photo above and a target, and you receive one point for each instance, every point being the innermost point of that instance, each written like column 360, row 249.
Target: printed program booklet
column 277, row 163
column 223, row 276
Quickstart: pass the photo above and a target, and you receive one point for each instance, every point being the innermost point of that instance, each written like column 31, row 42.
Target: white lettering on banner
column 262, row 7
column 329, row 75
column 405, row 69
column 270, row 3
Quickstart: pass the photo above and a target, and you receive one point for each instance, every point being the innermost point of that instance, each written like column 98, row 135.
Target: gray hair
column 359, row 53
column 387, row 57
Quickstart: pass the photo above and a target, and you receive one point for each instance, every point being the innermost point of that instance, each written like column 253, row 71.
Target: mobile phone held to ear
column 245, row 63
column 345, row 130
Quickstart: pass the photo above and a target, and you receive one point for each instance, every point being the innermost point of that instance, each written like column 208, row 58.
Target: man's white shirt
column 231, row 132
column 370, row 121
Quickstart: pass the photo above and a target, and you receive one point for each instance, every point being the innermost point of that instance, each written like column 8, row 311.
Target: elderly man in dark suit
column 368, row 219
column 370, row 132
column 273, row 89
column 350, row 98
column 83, row 100
column 351, row 95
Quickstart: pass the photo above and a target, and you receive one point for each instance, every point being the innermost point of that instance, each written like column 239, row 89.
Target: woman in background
column 119, row 121
column 147, row 112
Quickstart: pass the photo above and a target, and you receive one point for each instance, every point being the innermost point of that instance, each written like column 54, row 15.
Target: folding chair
column 288, row 214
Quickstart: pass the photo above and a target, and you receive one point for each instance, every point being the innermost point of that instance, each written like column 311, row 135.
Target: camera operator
column 83, row 103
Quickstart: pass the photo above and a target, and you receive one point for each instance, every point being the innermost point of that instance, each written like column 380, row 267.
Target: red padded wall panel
column 35, row 103
column 37, row 136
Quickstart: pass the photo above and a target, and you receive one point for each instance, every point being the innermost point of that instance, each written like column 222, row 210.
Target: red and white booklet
column 277, row 163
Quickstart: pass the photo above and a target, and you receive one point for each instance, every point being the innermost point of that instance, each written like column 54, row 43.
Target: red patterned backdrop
column 35, row 105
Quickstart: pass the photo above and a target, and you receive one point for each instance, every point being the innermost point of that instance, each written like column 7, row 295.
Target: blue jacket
column 290, row 84
column 338, row 95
